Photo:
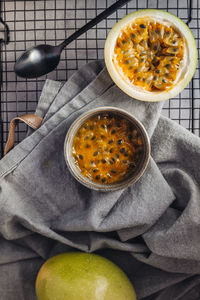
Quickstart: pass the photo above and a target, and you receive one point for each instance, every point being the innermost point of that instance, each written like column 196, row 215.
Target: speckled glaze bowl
column 133, row 177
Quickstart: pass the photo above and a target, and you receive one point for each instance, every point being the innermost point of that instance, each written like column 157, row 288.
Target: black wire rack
column 51, row 21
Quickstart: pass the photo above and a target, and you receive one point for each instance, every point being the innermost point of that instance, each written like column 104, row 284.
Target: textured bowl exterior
column 98, row 186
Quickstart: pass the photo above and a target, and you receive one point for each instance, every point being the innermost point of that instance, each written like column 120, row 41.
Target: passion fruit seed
column 142, row 53
column 85, row 126
column 119, row 142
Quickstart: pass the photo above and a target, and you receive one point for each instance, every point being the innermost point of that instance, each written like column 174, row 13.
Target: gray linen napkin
column 151, row 230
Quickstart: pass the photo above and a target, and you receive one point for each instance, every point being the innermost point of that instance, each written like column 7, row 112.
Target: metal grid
column 38, row 22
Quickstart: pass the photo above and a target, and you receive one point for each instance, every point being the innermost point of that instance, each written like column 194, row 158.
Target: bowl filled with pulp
column 107, row 149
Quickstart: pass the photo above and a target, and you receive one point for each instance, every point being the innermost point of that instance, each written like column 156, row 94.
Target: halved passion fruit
column 151, row 55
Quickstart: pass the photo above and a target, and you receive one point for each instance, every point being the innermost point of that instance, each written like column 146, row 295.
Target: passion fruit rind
column 149, row 54
column 182, row 68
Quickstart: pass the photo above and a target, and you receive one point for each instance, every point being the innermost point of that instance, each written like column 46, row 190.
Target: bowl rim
column 86, row 181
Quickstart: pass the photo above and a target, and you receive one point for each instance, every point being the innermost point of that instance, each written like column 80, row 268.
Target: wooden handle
column 31, row 120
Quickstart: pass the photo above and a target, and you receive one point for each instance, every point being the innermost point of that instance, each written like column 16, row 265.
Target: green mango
column 82, row 276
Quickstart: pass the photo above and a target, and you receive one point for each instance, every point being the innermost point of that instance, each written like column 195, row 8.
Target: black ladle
column 43, row 59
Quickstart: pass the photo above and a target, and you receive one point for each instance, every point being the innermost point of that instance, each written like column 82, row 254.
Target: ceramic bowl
column 133, row 177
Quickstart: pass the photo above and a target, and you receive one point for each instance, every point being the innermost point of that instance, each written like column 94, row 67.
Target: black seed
column 103, row 137
column 135, row 71
column 113, row 131
column 132, row 165
column 155, row 48
column 174, row 42
column 157, row 71
column 142, row 26
column 117, row 155
column 166, row 74
column 175, row 49
column 110, row 162
column 103, row 179
column 130, row 67
column 124, row 161
column 85, row 125
column 155, row 77
column 123, row 41
column 126, row 153
column 103, row 126
column 155, row 62
column 86, row 138
column 133, row 35
column 119, row 142
column 97, row 177
column 126, row 62
column 141, row 60
column 111, row 150
column 167, row 65
column 91, row 127
column 80, row 156
column 105, row 116
column 164, row 81
column 113, row 171
column 95, row 153
column 95, row 170
column 143, row 79
column 110, row 141
column 103, row 161
column 93, row 138
column 138, row 78
column 108, row 175
column 157, row 31
column 122, row 150
column 87, row 146
column 92, row 162
column 167, row 33
column 113, row 159
column 130, row 136
column 118, row 125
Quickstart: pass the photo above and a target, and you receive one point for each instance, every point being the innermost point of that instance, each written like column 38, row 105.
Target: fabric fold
column 151, row 229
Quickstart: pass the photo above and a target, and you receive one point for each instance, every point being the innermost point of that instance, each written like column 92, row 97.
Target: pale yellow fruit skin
column 82, row 276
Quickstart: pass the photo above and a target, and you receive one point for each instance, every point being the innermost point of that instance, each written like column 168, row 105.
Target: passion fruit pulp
column 151, row 55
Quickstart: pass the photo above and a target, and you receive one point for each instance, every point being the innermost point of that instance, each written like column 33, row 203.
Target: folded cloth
column 151, row 229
